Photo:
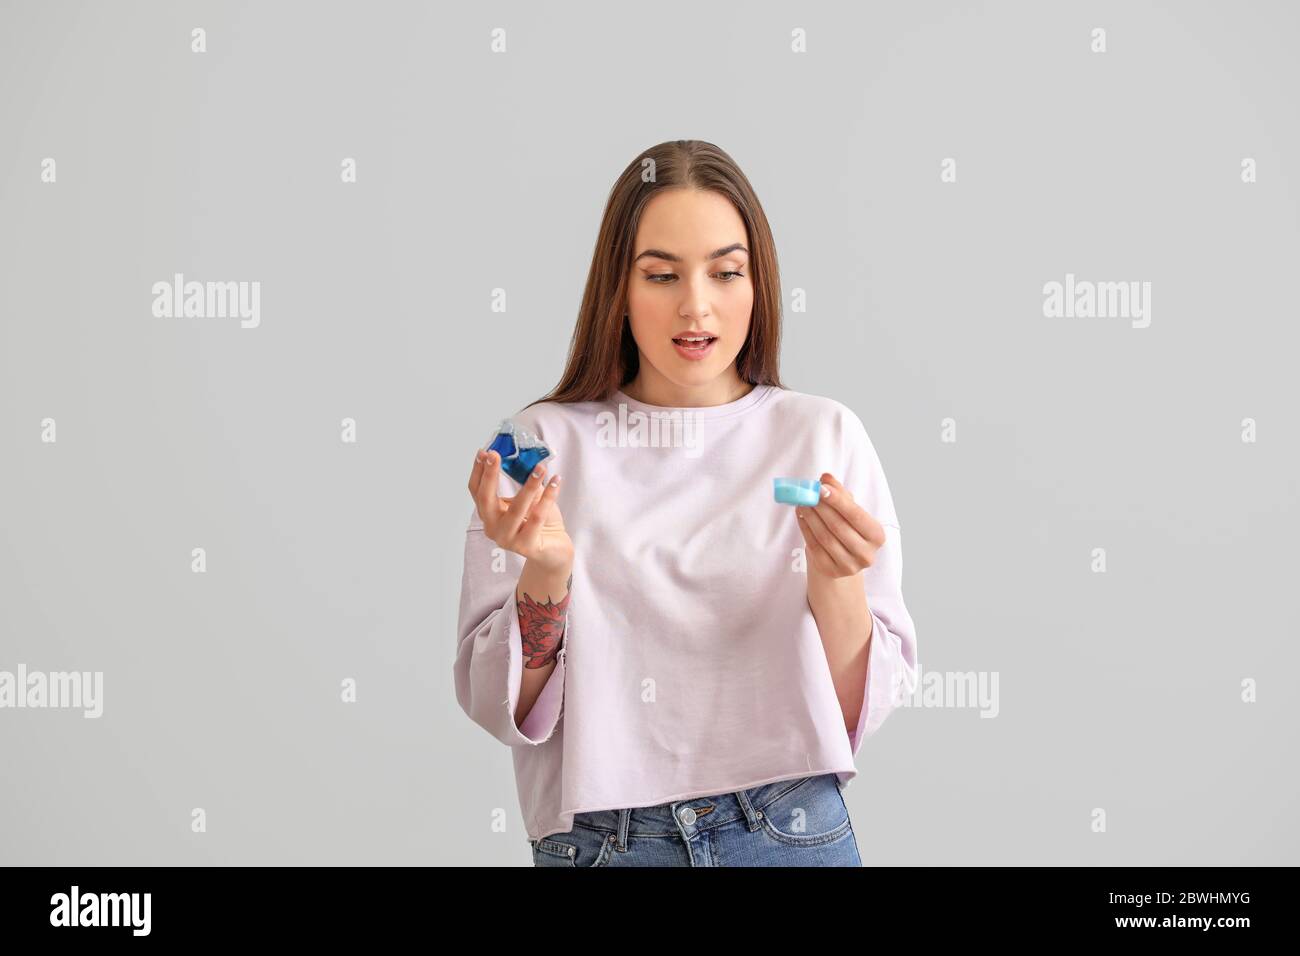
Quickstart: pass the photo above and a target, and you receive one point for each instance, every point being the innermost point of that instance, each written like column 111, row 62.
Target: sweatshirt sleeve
column 489, row 656
column 892, row 659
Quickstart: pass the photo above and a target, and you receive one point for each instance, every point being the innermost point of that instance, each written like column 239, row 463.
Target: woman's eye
column 673, row 275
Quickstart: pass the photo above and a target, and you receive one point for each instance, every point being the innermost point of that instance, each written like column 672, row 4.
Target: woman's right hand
column 529, row 523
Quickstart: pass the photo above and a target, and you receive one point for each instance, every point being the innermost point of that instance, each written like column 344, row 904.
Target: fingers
column 513, row 517
column 859, row 548
column 505, row 517
column 541, row 512
column 841, row 504
column 485, row 490
column 816, row 553
column 476, row 473
column 844, row 534
column 826, row 540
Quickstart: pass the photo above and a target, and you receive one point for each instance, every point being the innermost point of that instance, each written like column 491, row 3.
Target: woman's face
column 690, row 277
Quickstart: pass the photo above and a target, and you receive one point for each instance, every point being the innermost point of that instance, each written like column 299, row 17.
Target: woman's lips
column 694, row 350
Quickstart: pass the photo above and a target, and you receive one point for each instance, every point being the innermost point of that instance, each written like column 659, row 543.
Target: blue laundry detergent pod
column 798, row 491
column 520, row 450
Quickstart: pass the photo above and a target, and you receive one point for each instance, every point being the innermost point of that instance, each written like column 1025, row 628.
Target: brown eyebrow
column 668, row 256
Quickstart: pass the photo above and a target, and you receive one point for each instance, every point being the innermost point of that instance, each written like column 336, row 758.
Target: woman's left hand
column 842, row 538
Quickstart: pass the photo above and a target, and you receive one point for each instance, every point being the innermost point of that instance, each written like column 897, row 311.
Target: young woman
column 683, row 667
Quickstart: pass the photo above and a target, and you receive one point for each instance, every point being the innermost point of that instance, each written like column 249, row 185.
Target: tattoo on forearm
column 542, row 627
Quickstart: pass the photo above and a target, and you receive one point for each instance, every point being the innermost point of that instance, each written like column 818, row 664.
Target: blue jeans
column 800, row 822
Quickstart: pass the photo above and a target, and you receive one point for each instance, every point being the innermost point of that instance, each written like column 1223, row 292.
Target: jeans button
column 688, row 816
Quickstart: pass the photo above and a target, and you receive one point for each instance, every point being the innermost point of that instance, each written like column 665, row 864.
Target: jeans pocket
column 811, row 813
column 578, row 847
column 547, row 852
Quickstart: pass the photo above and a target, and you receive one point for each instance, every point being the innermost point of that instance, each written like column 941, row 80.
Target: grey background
column 476, row 171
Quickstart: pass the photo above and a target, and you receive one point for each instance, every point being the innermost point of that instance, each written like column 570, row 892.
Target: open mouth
column 694, row 343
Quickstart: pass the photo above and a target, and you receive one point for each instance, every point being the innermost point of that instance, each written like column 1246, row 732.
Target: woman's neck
column 654, row 389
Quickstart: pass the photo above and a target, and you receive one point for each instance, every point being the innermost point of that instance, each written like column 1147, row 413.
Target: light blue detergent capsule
column 797, row 491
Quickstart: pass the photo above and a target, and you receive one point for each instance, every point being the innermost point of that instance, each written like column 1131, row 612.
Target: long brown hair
column 602, row 352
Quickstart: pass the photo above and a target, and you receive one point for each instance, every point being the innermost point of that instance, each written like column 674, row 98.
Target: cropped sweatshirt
column 691, row 664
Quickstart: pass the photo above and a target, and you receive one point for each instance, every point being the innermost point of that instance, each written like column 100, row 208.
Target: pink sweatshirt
column 691, row 663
